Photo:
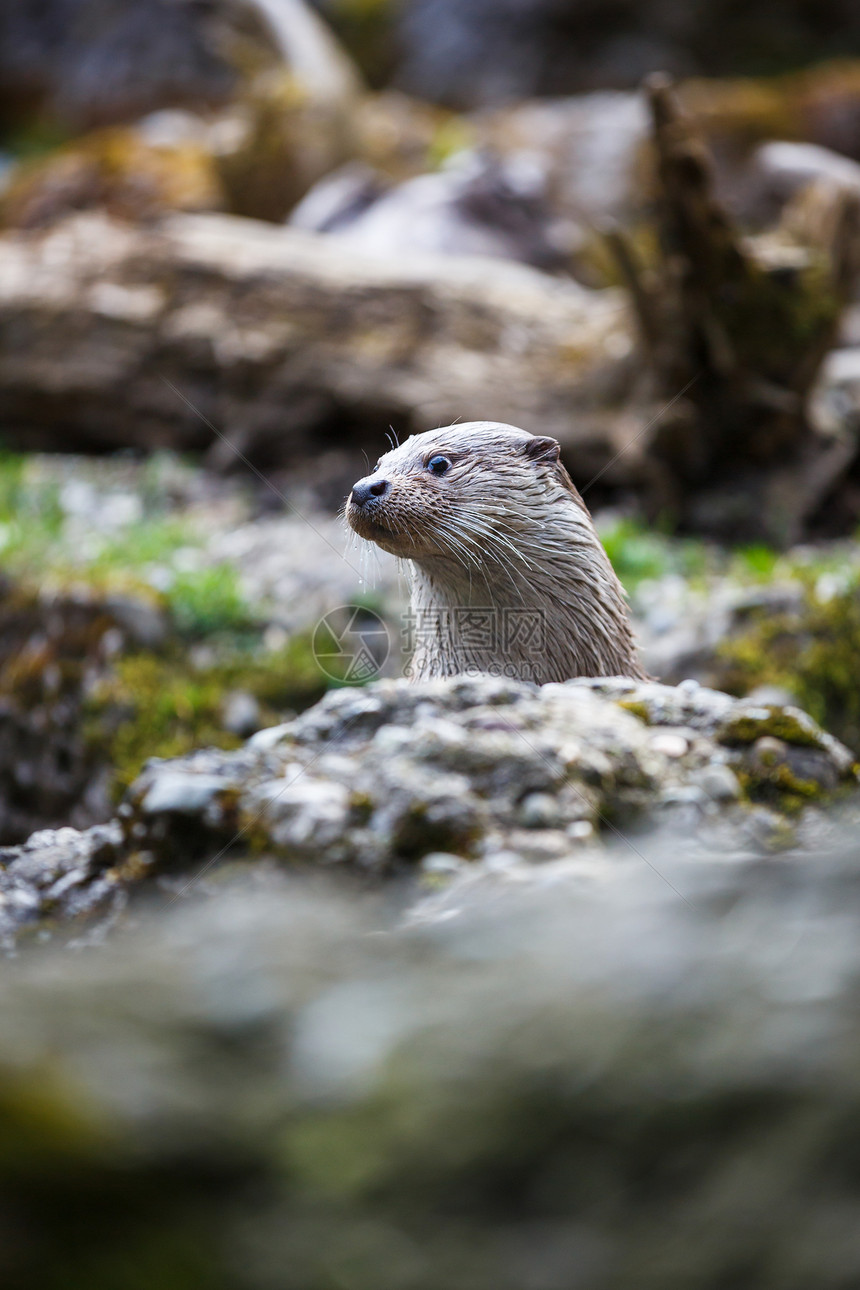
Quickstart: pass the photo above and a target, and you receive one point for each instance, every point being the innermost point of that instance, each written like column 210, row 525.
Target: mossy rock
column 92, row 685
column 789, row 724
column 813, row 653
column 161, row 705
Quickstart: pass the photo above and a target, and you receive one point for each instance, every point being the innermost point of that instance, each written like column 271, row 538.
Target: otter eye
column 438, row 465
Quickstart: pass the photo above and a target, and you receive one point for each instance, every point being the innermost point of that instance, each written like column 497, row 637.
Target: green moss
column 776, row 723
column 31, row 519
column 639, row 709
column 142, row 702
column 147, row 542
column 452, row 135
column 362, row 806
column 813, row 653
column 779, row 787
column 163, row 706
column 111, row 168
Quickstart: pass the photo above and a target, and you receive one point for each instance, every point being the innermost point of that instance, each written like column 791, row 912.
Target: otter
column 508, row 574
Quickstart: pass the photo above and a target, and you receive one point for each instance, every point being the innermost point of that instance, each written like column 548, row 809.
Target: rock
column 589, row 147
column 53, row 650
column 792, row 640
column 375, row 780
column 179, row 793
column 379, row 777
column 143, row 623
column 719, row 782
column 226, row 329
column 835, row 399
column 490, row 51
column 682, row 631
column 286, row 92
column 93, row 681
column 241, row 713
column 289, row 123
column 787, row 167
column 60, row 879
column 338, row 199
column 100, row 61
column 476, row 205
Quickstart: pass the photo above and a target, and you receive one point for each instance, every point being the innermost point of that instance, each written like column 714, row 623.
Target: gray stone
column 382, row 776
column 241, row 713
column 376, row 779
column 719, row 782
column 172, row 791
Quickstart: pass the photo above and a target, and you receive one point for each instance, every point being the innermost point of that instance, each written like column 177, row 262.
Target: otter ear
column 543, row 449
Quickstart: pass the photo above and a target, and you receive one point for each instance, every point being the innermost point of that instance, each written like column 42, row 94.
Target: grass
column 208, row 601
column 38, row 542
column 639, row 552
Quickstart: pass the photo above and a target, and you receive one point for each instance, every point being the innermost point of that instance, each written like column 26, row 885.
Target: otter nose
column 366, row 489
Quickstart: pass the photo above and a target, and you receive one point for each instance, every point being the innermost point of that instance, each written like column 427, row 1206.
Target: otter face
column 454, row 493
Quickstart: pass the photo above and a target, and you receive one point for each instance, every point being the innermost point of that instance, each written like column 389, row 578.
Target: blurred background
column 243, row 244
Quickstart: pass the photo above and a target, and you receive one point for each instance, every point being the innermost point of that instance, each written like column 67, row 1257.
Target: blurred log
column 744, row 325
column 279, row 338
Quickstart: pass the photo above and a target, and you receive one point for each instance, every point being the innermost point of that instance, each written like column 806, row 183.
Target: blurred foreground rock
column 597, row 1086
column 472, row 780
column 280, row 341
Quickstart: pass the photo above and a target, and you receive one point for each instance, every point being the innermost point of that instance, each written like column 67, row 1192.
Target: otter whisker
column 490, row 552
column 479, row 521
column 467, row 539
column 469, row 535
column 497, row 540
column 457, row 541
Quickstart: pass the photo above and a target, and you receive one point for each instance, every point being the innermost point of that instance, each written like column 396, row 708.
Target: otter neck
column 532, row 624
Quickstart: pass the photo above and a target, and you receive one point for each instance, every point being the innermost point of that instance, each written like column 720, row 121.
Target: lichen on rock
column 498, row 775
column 811, row 649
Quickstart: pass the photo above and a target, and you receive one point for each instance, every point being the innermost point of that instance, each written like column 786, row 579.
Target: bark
column 742, row 326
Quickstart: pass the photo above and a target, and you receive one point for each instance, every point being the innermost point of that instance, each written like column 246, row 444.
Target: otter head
column 449, row 493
